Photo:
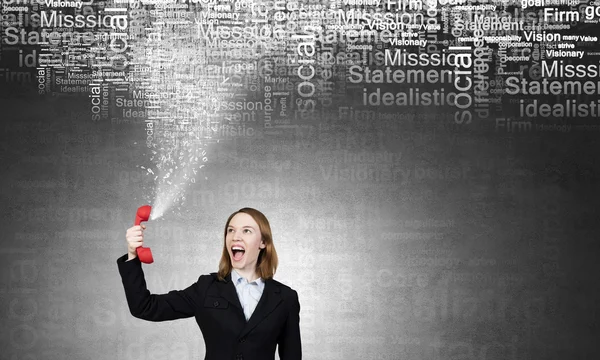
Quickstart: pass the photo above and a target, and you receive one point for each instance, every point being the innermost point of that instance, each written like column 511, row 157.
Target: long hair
column 267, row 261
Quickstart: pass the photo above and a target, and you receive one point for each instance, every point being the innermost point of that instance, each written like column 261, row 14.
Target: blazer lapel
column 227, row 290
column 269, row 300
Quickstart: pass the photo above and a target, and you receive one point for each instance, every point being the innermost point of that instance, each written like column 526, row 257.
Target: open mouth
column 238, row 252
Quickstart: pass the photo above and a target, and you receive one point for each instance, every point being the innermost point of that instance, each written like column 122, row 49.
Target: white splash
column 174, row 182
column 179, row 113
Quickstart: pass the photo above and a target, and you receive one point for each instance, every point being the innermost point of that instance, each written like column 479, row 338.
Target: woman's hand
column 135, row 239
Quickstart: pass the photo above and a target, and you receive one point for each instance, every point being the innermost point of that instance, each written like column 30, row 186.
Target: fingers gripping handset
column 144, row 253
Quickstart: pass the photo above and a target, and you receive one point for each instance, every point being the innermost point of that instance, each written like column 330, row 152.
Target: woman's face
column 243, row 233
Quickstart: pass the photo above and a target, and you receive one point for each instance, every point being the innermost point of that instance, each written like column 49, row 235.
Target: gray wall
column 480, row 245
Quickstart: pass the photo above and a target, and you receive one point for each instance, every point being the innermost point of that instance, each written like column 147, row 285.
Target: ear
column 262, row 244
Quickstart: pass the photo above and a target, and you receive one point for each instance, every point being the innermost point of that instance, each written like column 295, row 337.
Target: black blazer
column 218, row 312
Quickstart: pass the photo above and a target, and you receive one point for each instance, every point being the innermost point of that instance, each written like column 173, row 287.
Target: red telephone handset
column 144, row 253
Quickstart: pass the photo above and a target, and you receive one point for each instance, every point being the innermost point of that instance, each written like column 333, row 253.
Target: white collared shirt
column 248, row 292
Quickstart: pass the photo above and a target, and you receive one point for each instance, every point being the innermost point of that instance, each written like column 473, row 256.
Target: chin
column 237, row 264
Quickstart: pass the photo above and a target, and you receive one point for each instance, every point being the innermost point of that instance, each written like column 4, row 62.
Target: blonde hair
column 267, row 261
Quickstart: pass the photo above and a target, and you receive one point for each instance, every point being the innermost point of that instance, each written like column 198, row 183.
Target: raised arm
column 176, row 304
column 290, row 347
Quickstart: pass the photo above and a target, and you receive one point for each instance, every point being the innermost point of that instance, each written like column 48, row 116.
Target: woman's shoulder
column 285, row 289
column 205, row 280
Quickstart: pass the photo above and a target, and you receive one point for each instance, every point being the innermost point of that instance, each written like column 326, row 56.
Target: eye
column 229, row 230
column 247, row 231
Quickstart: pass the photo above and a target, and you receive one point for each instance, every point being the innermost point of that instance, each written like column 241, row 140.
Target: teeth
column 237, row 248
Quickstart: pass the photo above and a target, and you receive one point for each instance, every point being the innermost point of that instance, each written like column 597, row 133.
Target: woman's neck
column 249, row 275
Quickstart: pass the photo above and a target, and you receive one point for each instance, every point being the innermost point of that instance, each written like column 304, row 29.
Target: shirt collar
column 235, row 277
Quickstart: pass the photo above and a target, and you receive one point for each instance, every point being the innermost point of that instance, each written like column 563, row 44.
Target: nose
column 236, row 235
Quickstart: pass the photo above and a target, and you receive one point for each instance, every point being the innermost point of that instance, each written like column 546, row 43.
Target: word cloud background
column 429, row 168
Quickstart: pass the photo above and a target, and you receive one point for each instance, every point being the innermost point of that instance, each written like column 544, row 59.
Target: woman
column 242, row 311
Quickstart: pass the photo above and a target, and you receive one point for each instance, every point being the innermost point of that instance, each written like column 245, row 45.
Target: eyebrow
column 247, row 226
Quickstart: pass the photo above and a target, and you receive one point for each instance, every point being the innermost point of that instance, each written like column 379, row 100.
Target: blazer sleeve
column 290, row 347
column 177, row 304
